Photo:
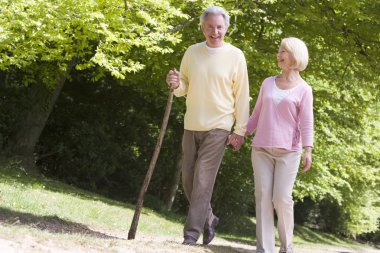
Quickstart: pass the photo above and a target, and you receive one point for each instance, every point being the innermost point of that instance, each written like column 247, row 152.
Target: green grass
column 39, row 197
column 52, row 213
column 46, row 210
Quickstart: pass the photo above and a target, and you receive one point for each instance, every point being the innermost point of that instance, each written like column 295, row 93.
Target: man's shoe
column 209, row 232
column 188, row 240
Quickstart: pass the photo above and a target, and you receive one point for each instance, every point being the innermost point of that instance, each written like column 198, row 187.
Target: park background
column 82, row 96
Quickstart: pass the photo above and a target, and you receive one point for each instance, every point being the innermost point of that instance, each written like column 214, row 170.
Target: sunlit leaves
column 86, row 32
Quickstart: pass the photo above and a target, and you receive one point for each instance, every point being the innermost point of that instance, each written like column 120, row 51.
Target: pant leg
column 190, row 148
column 190, row 154
column 209, row 156
column 286, row 169
column 263, row 166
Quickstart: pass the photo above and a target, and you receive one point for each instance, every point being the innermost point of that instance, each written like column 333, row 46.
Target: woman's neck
column 288, row 79
column 290, row 76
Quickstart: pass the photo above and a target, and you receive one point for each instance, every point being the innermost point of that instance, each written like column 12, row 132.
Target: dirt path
column 28, row 244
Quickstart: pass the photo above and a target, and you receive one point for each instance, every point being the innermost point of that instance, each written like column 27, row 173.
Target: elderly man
column 213, row 76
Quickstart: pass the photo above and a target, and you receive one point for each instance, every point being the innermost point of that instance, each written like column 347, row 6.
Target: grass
column 48, row 216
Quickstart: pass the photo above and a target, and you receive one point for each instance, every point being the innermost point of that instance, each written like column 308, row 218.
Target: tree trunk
column 174, row 186
column 22, row 144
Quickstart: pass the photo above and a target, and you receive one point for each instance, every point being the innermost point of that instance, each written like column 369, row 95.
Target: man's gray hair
column 216, row 11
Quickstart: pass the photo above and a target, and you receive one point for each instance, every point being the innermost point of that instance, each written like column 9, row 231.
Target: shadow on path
column 52, row 224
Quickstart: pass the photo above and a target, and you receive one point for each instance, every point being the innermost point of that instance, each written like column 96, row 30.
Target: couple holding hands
column 213, row 77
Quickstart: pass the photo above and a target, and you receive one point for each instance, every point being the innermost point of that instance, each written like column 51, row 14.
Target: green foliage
column 101, row 137
column 345, row 167
column 87, row 33
column 233, row 194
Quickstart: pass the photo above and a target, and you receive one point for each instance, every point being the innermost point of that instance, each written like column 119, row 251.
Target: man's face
column 214, row 29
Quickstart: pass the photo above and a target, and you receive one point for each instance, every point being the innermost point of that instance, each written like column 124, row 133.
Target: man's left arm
column 241, row 95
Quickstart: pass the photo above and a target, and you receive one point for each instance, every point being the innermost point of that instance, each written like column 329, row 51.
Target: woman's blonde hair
column 298, row 49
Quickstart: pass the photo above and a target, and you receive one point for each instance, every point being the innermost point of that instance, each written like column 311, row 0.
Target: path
column 28, row 244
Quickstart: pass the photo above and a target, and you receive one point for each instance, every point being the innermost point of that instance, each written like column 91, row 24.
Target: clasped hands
column 235, row 141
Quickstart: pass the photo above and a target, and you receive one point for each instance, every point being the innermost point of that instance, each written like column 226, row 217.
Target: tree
column 44, row 40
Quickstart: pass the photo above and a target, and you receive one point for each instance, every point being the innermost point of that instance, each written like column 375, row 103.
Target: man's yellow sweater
column 216, row 88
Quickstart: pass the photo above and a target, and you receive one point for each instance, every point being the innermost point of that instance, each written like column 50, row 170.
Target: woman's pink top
column 288, row 124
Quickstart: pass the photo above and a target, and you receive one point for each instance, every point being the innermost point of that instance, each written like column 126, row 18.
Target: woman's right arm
column 254, row 118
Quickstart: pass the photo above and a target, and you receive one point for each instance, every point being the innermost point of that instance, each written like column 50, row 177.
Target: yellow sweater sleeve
column 241, row 93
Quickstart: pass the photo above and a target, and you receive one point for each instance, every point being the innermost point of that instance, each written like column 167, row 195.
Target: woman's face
column 214, row 29
column 285, row 59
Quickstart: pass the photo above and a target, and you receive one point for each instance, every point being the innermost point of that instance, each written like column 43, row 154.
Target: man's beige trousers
column 202, row 154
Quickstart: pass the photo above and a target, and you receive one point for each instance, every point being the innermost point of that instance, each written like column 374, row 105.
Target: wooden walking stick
column 136, row 216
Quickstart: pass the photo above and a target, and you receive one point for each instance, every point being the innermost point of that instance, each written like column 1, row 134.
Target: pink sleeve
column 254, row 118
column 307, row 119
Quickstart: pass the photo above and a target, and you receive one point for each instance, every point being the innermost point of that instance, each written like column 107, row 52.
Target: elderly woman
column 283, row 123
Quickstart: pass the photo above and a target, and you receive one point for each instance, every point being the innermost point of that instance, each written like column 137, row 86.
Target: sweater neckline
column 292, row 88
column 289, row 91
column 216, row 50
